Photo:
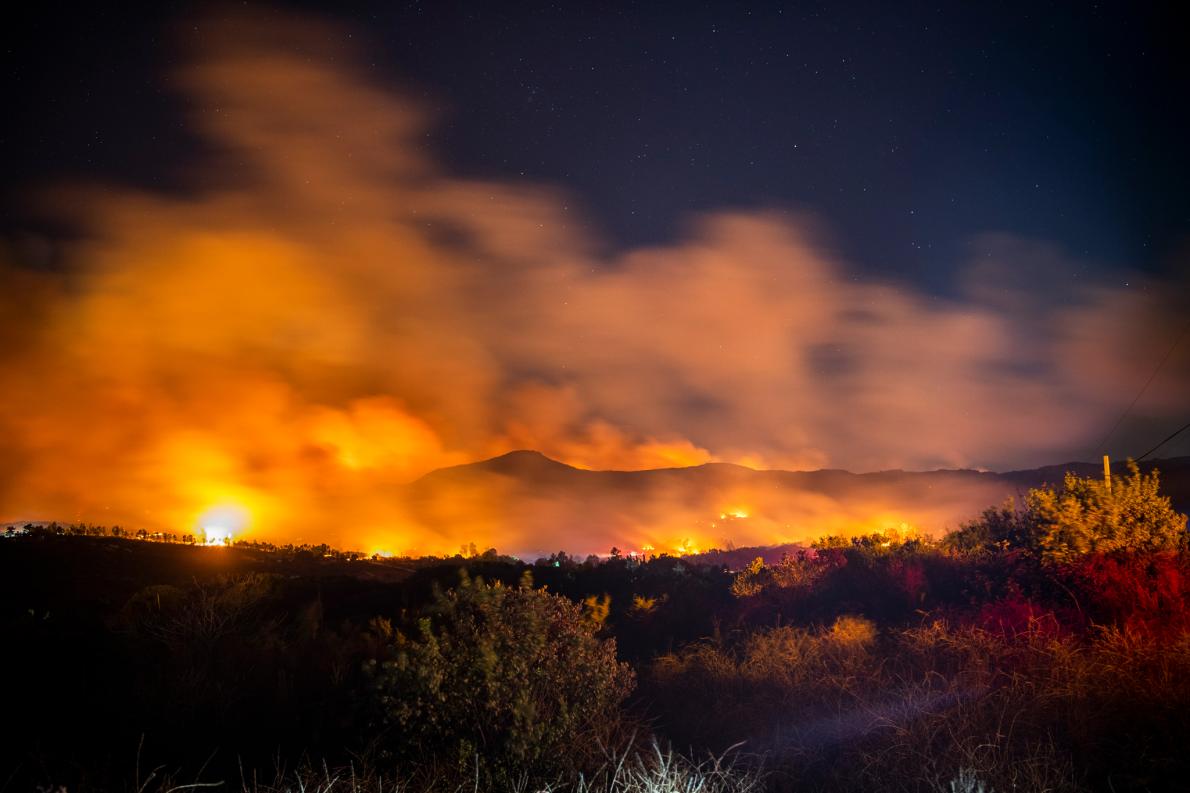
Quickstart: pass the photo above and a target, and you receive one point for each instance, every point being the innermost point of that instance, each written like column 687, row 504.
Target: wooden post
column 1107, row 472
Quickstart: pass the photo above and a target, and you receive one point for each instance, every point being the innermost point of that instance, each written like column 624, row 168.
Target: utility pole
column 1107, row 472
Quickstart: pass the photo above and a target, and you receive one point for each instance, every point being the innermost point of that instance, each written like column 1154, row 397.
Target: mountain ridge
column 517, row 455
column 527, row 502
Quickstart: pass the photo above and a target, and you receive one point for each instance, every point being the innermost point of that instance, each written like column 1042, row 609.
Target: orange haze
column 325, row 314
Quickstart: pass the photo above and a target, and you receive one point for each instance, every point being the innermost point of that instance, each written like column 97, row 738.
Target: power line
column 1102, row 446
column 1167, row 440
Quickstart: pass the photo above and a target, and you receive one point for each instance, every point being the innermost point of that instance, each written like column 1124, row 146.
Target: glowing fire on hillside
column 221, row 525
column 338, row 315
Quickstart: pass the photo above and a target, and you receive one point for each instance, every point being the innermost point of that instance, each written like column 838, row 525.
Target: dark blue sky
column 909, row 130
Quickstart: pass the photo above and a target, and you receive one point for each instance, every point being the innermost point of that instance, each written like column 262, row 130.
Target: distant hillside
column 519, row 498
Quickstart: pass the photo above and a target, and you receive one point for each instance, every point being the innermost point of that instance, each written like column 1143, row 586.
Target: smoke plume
column 327, row 313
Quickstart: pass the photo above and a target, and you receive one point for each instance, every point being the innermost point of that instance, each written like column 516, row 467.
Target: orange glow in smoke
column 300, row 338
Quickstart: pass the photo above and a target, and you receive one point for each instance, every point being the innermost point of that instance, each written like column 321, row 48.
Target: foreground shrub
column 1084, row 516
column 889, row 583
column 513, row 679
column 1148, row 593
column 208, row 652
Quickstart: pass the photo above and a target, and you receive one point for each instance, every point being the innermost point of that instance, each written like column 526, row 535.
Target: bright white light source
column 220, row 524
column 215, row 535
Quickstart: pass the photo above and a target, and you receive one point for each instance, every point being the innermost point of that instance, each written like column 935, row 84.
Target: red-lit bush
column 1017, row 615
column 1145, row 592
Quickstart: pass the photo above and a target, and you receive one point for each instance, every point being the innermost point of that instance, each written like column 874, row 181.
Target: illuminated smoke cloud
column 327, row 314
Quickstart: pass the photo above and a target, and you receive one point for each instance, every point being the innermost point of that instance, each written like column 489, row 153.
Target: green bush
column 511, row 679
column 1085, row 516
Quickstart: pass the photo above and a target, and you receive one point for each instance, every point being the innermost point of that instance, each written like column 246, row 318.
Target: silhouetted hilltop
column 514, row 500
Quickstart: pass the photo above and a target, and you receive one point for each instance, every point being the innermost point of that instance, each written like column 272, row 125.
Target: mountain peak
column 520, row 462
column 521, row 458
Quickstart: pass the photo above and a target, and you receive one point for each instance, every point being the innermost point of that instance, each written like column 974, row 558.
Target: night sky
column 911, row 130
column 271, row 254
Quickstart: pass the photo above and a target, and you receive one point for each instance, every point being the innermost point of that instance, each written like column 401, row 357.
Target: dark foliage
column 504, row 677
column 885, row 661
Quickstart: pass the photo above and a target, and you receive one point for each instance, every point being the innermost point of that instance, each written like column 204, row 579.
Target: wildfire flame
column 220, row 524
column 336, row 316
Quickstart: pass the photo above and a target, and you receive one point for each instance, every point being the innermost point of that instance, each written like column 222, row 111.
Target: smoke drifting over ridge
column 328, row 314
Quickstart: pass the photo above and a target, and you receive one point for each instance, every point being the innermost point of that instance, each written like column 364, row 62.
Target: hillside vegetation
column 1044, row 646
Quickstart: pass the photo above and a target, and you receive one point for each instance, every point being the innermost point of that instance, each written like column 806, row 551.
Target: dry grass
column 653, row 771
column 917, row 709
